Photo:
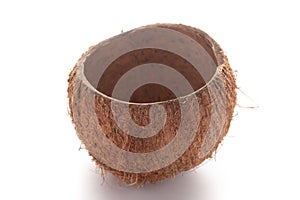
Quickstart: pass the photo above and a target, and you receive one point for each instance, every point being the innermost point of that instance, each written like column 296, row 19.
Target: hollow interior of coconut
column 154, row 73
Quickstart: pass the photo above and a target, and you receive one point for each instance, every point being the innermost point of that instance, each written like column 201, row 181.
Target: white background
column 40, row 41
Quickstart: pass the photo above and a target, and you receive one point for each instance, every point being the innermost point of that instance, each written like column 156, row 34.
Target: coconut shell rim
column 81, row 66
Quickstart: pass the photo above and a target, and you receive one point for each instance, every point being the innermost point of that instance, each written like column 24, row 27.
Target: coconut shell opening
column 182, row 91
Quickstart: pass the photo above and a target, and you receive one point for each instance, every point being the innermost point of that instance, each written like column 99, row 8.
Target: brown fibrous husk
column 80, row 95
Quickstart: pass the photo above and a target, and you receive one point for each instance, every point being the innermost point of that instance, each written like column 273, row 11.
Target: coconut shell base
column 90, row 107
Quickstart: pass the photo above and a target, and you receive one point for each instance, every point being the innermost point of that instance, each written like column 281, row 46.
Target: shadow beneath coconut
column 189, row 186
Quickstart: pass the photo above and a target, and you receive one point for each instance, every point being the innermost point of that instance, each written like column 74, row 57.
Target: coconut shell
column 195, row 122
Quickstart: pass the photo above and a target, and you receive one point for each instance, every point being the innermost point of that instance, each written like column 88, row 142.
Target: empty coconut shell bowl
column 152, row 102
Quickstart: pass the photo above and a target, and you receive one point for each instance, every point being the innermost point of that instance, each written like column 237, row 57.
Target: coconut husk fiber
column 194, row 121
